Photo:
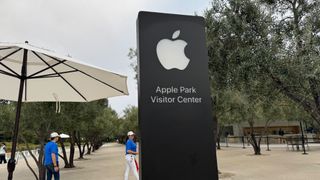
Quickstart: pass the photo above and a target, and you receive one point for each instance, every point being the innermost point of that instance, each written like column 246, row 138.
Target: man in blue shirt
column 51, row 158
column 131, row 152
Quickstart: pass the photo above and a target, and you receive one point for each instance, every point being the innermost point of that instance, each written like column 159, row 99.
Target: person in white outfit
column 131, row 152
column 3, row 153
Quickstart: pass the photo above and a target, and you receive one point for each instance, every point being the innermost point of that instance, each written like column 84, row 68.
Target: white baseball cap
column 54, row 134
column 130, row 133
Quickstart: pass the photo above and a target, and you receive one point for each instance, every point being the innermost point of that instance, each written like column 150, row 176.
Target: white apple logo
column 171, row 53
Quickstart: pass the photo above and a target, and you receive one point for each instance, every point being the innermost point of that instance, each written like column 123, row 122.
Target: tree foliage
column 264, row 60
column 88, row 125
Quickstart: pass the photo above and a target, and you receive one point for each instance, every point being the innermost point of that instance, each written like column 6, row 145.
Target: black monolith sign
column 175, row 112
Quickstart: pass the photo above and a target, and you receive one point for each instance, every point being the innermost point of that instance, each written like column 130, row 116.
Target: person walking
column 131, row 152
column 51, row 158
column 3, row 152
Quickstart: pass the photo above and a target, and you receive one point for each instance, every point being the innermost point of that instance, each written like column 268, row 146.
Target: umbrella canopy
column 30, row 74
column 53, row 77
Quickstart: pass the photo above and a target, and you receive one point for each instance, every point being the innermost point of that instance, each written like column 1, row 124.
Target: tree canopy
column 264, row 60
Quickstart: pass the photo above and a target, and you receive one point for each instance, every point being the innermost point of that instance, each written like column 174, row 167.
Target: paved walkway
column 107, row 163
column 236, row 164
column 278, row 164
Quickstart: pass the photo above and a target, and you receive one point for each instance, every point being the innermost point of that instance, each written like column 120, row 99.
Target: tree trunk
column 218, row 142
column 42, row 168
column 93, row 144
column 255, row 145
column 64, row 157
column 30, row 168
column 253, row 141
column 78, row 142
column 72, row 149
column 39, row 161
column 215, row 123
column 42, row 173
column 83, row 148
column 88, row 148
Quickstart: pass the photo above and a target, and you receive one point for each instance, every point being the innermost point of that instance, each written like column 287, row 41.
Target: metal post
column 302, row 138
column 243, row 147
column 12, row 162
column 268, row 149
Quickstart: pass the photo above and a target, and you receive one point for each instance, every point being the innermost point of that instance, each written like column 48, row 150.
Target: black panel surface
column 177, row 140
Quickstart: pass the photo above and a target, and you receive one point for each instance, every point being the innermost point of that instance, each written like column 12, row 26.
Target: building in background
column 274, row 128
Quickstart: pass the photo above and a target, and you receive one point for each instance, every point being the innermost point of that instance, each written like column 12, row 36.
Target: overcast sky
column 98, row 32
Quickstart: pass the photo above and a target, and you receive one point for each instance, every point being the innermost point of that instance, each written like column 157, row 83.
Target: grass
column 21, row 147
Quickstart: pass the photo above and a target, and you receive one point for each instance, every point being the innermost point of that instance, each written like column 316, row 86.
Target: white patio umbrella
column 32, row 74
column 64, row 136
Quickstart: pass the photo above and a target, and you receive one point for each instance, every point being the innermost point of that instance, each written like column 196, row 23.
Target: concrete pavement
column 235, row 163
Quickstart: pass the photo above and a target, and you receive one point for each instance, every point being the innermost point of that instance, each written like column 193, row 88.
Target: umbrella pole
column 12, row 162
